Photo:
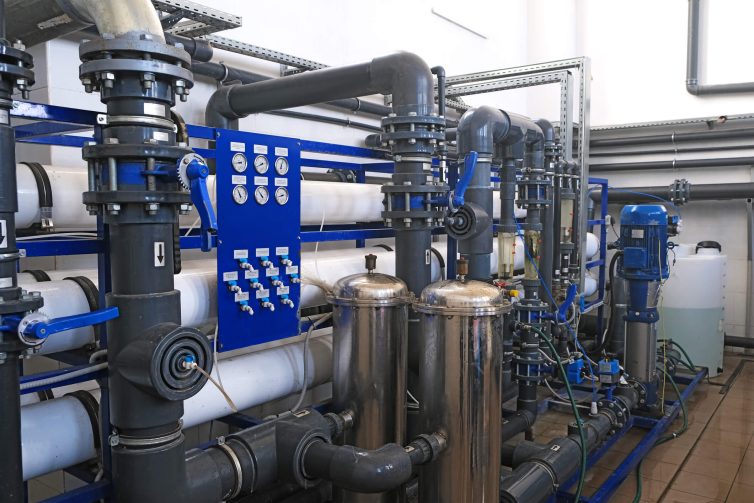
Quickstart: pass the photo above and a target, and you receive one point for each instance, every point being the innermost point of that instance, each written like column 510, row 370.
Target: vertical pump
column 644, row 232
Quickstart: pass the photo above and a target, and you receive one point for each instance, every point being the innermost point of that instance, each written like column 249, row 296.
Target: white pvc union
column 691, row 306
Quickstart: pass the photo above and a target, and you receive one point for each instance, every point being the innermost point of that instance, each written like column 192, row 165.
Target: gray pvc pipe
column 403, row 74
column 692, row 61
column 702, row 192
column 718, row 162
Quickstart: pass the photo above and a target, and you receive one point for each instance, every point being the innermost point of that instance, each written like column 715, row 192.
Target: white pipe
column 338, row 203
column 57, row 433
column 64, row 298
column 118, row 18
column 198, row 285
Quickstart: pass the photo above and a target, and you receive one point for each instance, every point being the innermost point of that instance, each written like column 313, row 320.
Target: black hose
column 611, row 323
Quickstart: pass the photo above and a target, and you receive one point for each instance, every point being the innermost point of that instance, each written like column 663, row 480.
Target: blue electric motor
column 644, row 231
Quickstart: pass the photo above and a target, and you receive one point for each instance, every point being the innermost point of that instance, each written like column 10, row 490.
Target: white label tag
column 3, row 234
column 230, row 276
column 240, row 254
column 261, row 294
column 281, row 151
column 283, row 290
column 263, row 252
column 159, row 254
column 6, row 282
column 154, row 109
column 237, row 146
column 637, row 233
column 242, row 296
column 281, row 250
column 261, row 180
column 291, row 269
column 160, row 136
column 238, row 179
column 272, row 271
column 251, row 274
column 4, row 117
column 281, row 182
column 260, row 149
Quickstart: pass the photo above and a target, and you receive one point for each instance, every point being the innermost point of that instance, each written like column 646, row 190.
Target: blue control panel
column 258, row 193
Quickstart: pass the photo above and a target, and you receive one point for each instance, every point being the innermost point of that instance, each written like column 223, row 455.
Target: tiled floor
column 713, row 462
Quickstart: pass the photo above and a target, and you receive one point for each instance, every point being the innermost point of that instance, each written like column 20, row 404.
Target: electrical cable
column 305, row 383
column 194, row 366
column 74, row 235
column 62, row 377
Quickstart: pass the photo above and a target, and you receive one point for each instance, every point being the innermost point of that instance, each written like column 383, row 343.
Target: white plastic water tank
column 692, row 303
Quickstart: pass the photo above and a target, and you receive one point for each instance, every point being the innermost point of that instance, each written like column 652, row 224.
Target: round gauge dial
column 281, row 195
column 261, row 164
column 281, row 166
column 261, row 195
column 240, row 194
column 240, row 163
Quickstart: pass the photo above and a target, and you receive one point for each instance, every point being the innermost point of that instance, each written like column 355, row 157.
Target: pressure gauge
column 281, row 195
column 240, row 194
column 281, row 166
column 261, row 164
column 262, row 195
column 239, row 162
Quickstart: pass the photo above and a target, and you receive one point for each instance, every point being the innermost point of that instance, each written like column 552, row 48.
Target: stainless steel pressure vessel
column 370, row 339
column 461, row 388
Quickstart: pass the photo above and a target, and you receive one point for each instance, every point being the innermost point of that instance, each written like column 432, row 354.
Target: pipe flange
column 136, row 196
column 680, row 191
column 616, row 410
column 134, row 151
column 641, row 391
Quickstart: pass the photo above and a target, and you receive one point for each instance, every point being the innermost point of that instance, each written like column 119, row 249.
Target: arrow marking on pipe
column 159, row 253
column 3, row 234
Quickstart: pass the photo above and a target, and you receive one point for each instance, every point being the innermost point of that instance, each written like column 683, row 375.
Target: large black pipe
column 670, row 150
column 539, row 474
column 717, row 162
column 11, row 475
column 672, row 138
column 700, row 192
column 15, row 72
column 739, row 342
column 404, row 75
column 224, row 73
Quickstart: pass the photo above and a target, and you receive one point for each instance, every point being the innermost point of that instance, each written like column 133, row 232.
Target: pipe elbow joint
column 219, row 112
column 359, row 470
column 408, row 77
column 481, row 128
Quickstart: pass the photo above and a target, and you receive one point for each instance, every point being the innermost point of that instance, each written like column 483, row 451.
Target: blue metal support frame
column 656, row 428
column 601, row 262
